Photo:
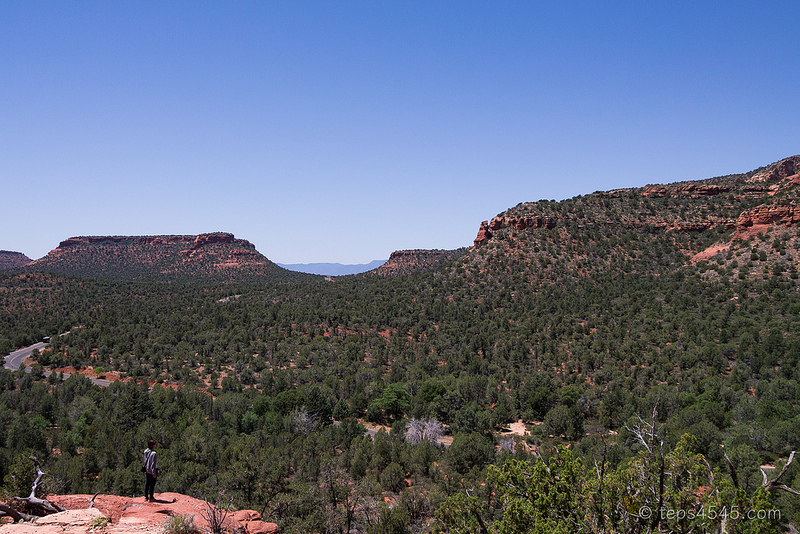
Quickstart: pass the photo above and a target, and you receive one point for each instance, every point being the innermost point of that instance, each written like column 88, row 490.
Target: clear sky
column 341, row 131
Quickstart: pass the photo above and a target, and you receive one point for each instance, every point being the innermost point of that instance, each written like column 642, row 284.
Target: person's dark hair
column 151, row 443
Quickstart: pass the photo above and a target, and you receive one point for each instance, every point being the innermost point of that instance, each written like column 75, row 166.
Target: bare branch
column 39, row 475
column 481, row 524
column 709, row 472
column 733, row 471
column 785, row 467
column 643, row 432
column 770, row 485
column 783, row 487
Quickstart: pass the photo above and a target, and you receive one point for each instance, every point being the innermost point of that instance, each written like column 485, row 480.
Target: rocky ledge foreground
column 127, row 515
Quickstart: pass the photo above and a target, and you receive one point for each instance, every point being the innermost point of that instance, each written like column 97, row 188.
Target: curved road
column 15, row 360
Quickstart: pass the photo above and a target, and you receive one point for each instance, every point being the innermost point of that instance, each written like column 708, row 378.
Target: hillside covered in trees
column 647, row 339
column 12, row 260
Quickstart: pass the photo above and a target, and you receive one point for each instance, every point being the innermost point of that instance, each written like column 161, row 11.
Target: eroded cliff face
column 519, row 223
column 762, row 218
column 204, row 240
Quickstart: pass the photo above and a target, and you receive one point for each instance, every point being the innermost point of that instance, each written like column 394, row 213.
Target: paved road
column 15, row 360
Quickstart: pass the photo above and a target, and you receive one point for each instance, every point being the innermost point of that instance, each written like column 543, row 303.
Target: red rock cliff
column 758, row 219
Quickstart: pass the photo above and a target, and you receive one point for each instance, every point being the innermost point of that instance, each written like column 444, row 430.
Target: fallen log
column 16, row 515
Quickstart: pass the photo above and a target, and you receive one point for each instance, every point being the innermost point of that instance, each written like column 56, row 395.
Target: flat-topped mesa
column 117, row 239
column 91, row 240
column 195, row 242
column 210, row 257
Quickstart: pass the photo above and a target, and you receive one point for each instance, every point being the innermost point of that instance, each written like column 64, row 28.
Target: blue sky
column 342, row 131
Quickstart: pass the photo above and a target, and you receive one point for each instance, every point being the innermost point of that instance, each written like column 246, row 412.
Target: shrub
column 181, row 524
column 99, row 523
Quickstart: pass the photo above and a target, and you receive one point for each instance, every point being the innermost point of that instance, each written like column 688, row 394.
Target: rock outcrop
column 521, row 223
column 760, row 218
column 488, row 228
column 203, row 240
column 690, row 189
column 484, row 234
column 128, row 515
column 786, row 169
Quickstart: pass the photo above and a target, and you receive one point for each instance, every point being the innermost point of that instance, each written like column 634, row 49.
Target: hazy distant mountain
column 333, row 269
column 12, row 260
column 213, row 257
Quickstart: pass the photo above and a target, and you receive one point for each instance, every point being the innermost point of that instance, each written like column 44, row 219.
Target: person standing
column 150, row 470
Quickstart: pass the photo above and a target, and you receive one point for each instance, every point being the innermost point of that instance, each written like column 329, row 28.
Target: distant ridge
column 211, row 257
column 332, row 269
column 411, row 261
column 12, row 260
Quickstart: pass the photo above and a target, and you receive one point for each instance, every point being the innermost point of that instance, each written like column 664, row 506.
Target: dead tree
column 645, row 433
column 43, row 506
column 419, row 430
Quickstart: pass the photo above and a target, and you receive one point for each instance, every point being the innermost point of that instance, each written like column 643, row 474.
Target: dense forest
column 648, row 339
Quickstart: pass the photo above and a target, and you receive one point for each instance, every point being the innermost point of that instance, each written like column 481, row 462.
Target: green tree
column 460, row 514
column 540, row 497
column 394, row 401
column 469, row 451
